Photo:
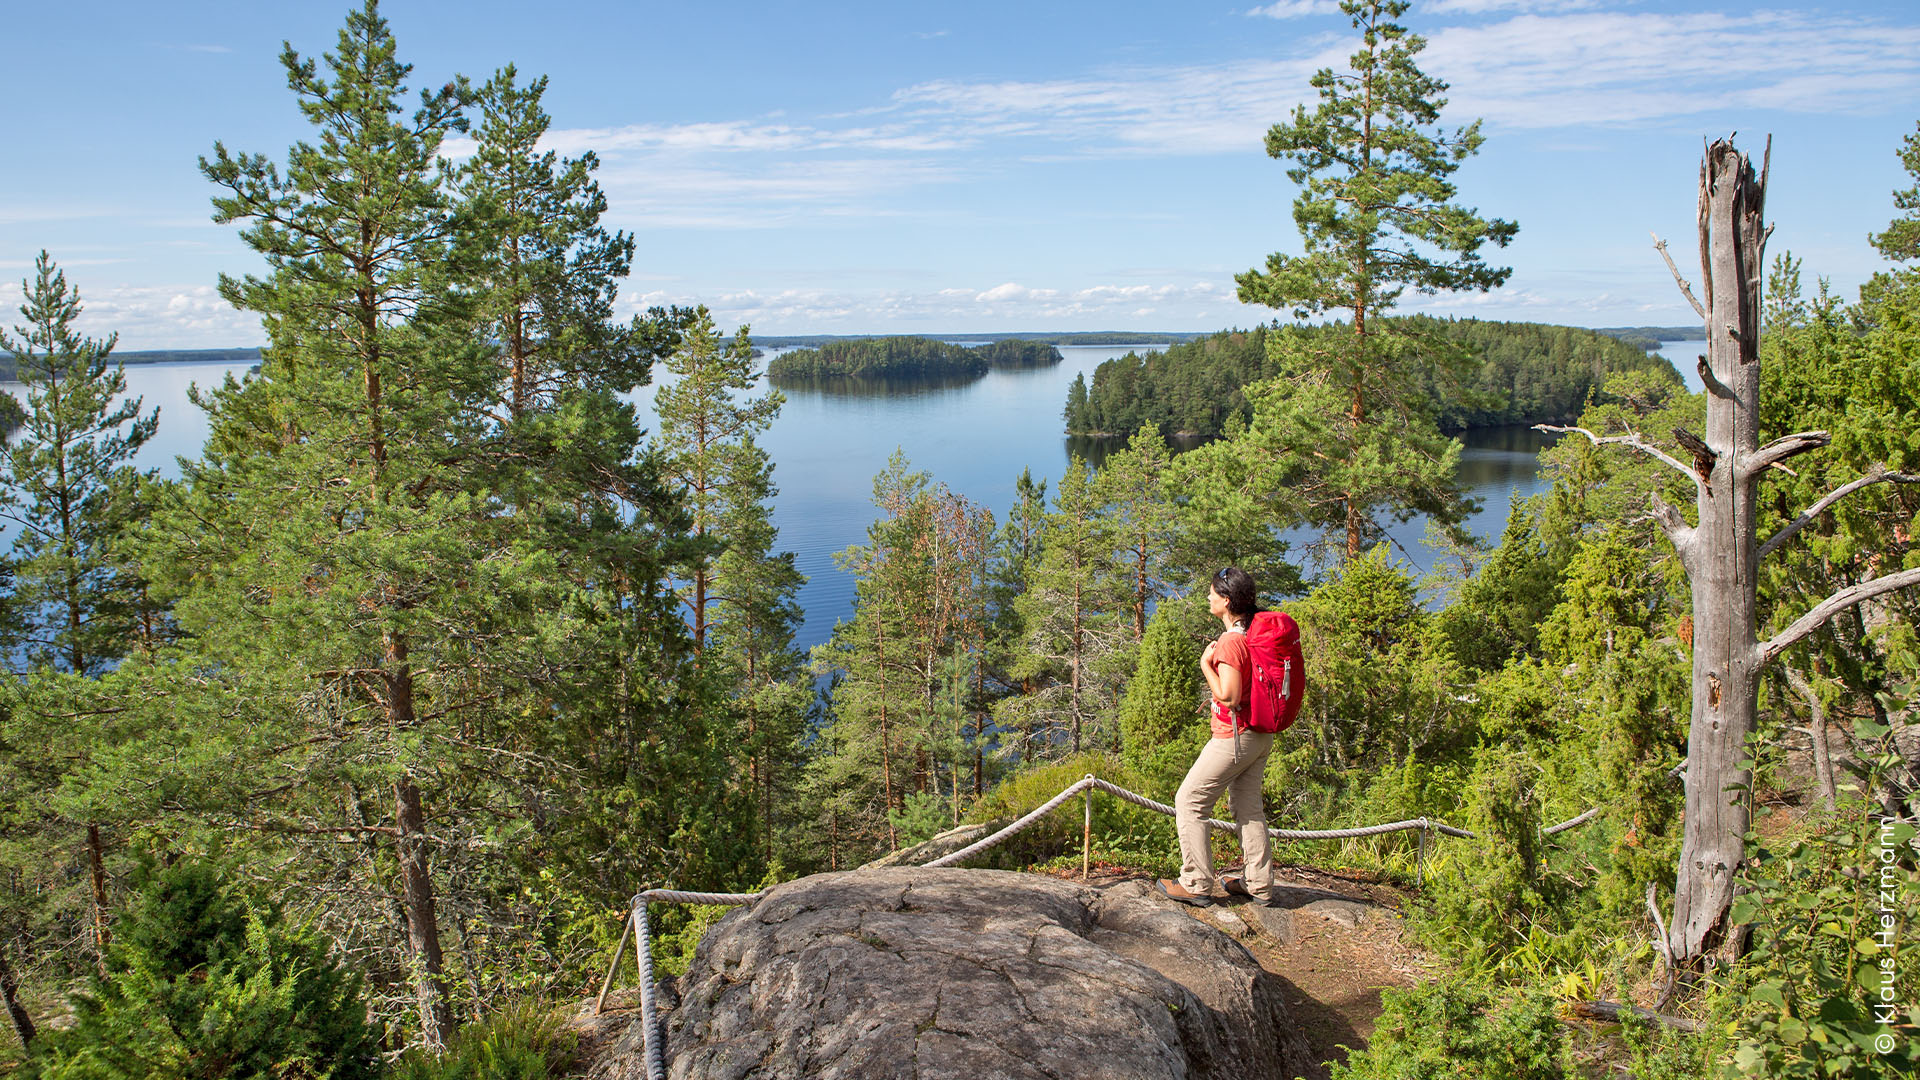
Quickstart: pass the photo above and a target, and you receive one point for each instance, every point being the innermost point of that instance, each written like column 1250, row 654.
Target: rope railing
column 638, row 924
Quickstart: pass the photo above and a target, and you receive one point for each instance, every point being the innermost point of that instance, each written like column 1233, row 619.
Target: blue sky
column 981, row 166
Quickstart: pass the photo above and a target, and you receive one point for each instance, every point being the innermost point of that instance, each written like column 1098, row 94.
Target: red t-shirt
column 1231, row 650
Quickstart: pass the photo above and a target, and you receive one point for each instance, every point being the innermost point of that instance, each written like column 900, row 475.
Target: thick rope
column 1043, row 810
column 649, row 1024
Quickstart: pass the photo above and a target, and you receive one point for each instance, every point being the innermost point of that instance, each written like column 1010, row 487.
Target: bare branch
column 1632, row 439
column 1678, row 531
column 1807, row 516
column 1783, row 448
column 1714, row 386
column 1685, row 289
column 1704, row 456
column 1833, row 605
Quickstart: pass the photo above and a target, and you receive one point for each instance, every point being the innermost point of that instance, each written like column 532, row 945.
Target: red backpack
column 1279, row 680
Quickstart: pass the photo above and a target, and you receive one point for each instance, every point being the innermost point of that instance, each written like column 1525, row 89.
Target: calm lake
column 975, row 438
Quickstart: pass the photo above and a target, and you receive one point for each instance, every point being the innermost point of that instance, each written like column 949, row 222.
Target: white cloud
column 1554, row 65
column 1615, row 69
column 1295, row 9
column 1482, row 7
column 165, row 317
column 1009, row 305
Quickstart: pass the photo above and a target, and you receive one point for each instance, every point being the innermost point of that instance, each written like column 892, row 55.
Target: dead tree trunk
column 1721, row 554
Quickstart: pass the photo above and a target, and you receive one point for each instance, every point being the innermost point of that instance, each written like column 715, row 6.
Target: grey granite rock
column 910, row 972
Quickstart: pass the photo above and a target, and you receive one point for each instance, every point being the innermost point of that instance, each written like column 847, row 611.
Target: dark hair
column 1236, row 587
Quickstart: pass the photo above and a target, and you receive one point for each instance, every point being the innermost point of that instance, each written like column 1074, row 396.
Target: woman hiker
column 1234, row 761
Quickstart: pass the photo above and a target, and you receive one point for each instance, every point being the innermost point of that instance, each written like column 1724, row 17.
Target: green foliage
column 1453, row 1029
column 1518, row 373
column 66, row 481
column 1490, row 902
column 907, row 357
column 1829, row 988
column 524, row 1039
column 1380, row 681
column 1163, row 718
column 203, row 982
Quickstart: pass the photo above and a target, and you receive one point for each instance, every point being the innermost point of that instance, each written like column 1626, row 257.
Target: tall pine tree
column 1377, row 216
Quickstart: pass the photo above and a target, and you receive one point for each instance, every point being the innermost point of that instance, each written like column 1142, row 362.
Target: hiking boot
column 1173, row 890
column 1238, row 887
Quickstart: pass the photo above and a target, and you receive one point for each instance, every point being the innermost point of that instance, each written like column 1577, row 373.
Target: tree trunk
column 1817, row 734
column 97, row 865
column 10, row 987
column 416, row 883
column 1721, row 556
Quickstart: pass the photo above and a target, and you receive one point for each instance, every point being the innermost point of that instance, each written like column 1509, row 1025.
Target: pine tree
column 1373, row 166
column 702, row 429
column 71, row 488
column 547, row 273
column 757, row 607
column 68, row 485
column 338, row 525
column 1140, row 510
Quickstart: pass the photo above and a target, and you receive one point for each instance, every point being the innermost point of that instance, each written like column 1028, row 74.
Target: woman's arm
column 1222, row 679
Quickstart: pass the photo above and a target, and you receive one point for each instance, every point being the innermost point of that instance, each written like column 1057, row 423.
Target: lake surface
column 975, row 437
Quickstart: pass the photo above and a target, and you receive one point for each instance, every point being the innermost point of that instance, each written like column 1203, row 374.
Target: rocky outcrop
column 920, row 973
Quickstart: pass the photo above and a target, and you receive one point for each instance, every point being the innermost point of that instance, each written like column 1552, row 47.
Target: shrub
column 1447, row 1030
column 524, row 1040
column 204, row 982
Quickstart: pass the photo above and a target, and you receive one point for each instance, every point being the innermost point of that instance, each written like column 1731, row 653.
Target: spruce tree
column 1071, row 628
column 1140, row 510
column 1163, row 718
column 1376, row 215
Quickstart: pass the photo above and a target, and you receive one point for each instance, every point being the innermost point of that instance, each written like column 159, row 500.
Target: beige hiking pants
column 1235, row 766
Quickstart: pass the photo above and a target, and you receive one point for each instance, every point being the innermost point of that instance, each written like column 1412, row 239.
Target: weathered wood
column 1723, row 566
column 1611, row 1013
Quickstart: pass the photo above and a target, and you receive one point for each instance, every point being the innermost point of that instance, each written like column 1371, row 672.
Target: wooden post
column 626, row 928
column 1086, row 833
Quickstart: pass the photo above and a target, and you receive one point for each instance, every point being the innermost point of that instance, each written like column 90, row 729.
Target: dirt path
column 1333, row 939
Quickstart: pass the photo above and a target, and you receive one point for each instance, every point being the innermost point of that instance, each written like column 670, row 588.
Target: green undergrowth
column 520, row 1040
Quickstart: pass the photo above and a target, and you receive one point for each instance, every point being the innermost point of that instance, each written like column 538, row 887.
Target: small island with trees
column 908, row 357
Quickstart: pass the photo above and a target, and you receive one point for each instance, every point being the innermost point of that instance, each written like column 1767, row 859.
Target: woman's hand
column 1206, row 656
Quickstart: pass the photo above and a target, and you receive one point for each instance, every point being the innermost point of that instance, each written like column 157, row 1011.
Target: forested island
column 908, row 357
column 1049, row 337
column 1513, row 373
